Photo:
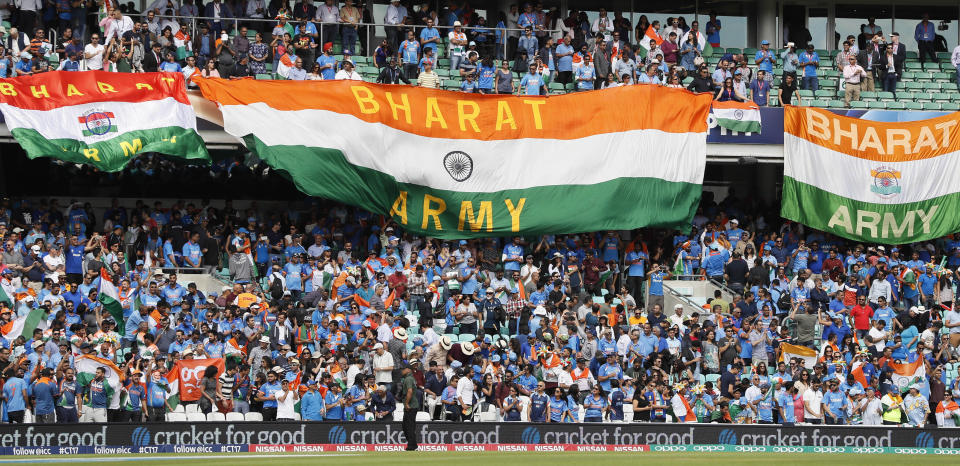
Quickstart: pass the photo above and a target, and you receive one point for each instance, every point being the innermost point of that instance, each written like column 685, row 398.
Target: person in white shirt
column 329, row 15
column 877, row 336
column 382, row 365
column 955, row 60
column 115, row 25
column 457, row 46
column 286, row 399
column 812, row 399
column 465, row 390
column 347, row 72
column 188, row 71
column 256, row 9
column 396, row 14
column 871, row 411
column 603, row 25
column 853, row 74
column 93, row 54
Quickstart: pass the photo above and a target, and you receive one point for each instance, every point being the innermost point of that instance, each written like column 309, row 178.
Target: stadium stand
column 323, row 303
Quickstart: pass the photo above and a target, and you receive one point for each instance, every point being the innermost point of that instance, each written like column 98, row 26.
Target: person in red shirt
column 861, row 314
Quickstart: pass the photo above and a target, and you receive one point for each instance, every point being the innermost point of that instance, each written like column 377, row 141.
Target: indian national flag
column 807, row 355
column 650, row 36
column 25, row 324
column 87, row 365
column 885, row 182
column 284, row 65
column 109, row 298
column 99, row 118
column 907, row 374
column 451, row 165
column 678, row 268
column 743, row 117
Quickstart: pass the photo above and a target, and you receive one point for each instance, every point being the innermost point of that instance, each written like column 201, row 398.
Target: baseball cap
column 764, row 42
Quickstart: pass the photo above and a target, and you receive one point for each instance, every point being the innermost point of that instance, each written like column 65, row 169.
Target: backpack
column 276, row 287
column 783, row 302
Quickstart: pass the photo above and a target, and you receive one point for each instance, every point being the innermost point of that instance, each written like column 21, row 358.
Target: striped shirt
column 428, row 79
column 226, row 383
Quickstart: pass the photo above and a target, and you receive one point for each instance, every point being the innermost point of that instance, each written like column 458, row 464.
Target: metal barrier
column 231, row 25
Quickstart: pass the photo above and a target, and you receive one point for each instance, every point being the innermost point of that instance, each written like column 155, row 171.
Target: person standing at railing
column 256, row 9
column 328, row 15
column 458, row 46
column 349, row 18
column 305, row 11
column 29, row 10
column 218, row 11
column 409, row 55
column 395, row 16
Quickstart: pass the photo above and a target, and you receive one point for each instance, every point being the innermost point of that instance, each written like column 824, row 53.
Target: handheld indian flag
column 110, row 299
column 907, row 374
column 25, row 325
column 743, row 117
column 87, row 366
column 650, row 37
column 357, row 142
column 101, row 119
column 284, row 65
column 678, row 264
column 807, row 355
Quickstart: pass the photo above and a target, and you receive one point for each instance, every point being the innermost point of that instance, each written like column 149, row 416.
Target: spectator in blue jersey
column 532, row 83
column 44, row 392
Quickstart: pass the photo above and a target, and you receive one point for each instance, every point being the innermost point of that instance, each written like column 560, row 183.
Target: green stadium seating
column 896, row 105
column 942, row 97
column 774, row 101
column 556, row 88
column 951, row 87
column 828, row 83
column 931, row 105
column 943, row 77
column 947, row 67
column 952, row 106
column 930, row 86
column 805, row 94
column 865, row 95
column 264, row 76
column 904, row 95
column 750, row 52
column 912, row 55
column 913, row 85
column 451, row 84
column 931, row 66
column 911, row 105
column 824, row 94
column 819, row 103
column 837, row 104
column 858, row 104
column 876, row 105
column 916, row 66
column 885, row 96
column 444, row 63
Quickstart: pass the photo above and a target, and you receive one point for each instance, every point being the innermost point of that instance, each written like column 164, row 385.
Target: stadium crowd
column 330, row 310
column 526, row 50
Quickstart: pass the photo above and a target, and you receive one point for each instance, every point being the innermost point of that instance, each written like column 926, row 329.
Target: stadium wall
column 215, row 437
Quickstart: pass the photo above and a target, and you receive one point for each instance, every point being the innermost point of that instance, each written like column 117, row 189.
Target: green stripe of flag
column 326, row 173
column 113, row 154
column 743, row 126
column 867, row 221
column 36, row 318
column 115, row 309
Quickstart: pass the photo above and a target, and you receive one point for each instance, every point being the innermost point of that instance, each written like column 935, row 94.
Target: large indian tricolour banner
column 453, row 165
column 100, row 118
column 871, row 181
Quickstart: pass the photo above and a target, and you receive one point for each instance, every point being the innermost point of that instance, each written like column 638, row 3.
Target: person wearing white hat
column 383, row 365
column 457, row 47
column 438, row 352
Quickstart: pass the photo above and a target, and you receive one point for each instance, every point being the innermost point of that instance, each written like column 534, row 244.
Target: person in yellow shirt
column 637, row 318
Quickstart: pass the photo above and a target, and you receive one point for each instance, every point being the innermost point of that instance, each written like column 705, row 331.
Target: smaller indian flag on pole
column 908, row 374
column 110, row 299
column 650, row 37
column 25, row 324
column 743, row 117
column 807, row 355
column 87, row 366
